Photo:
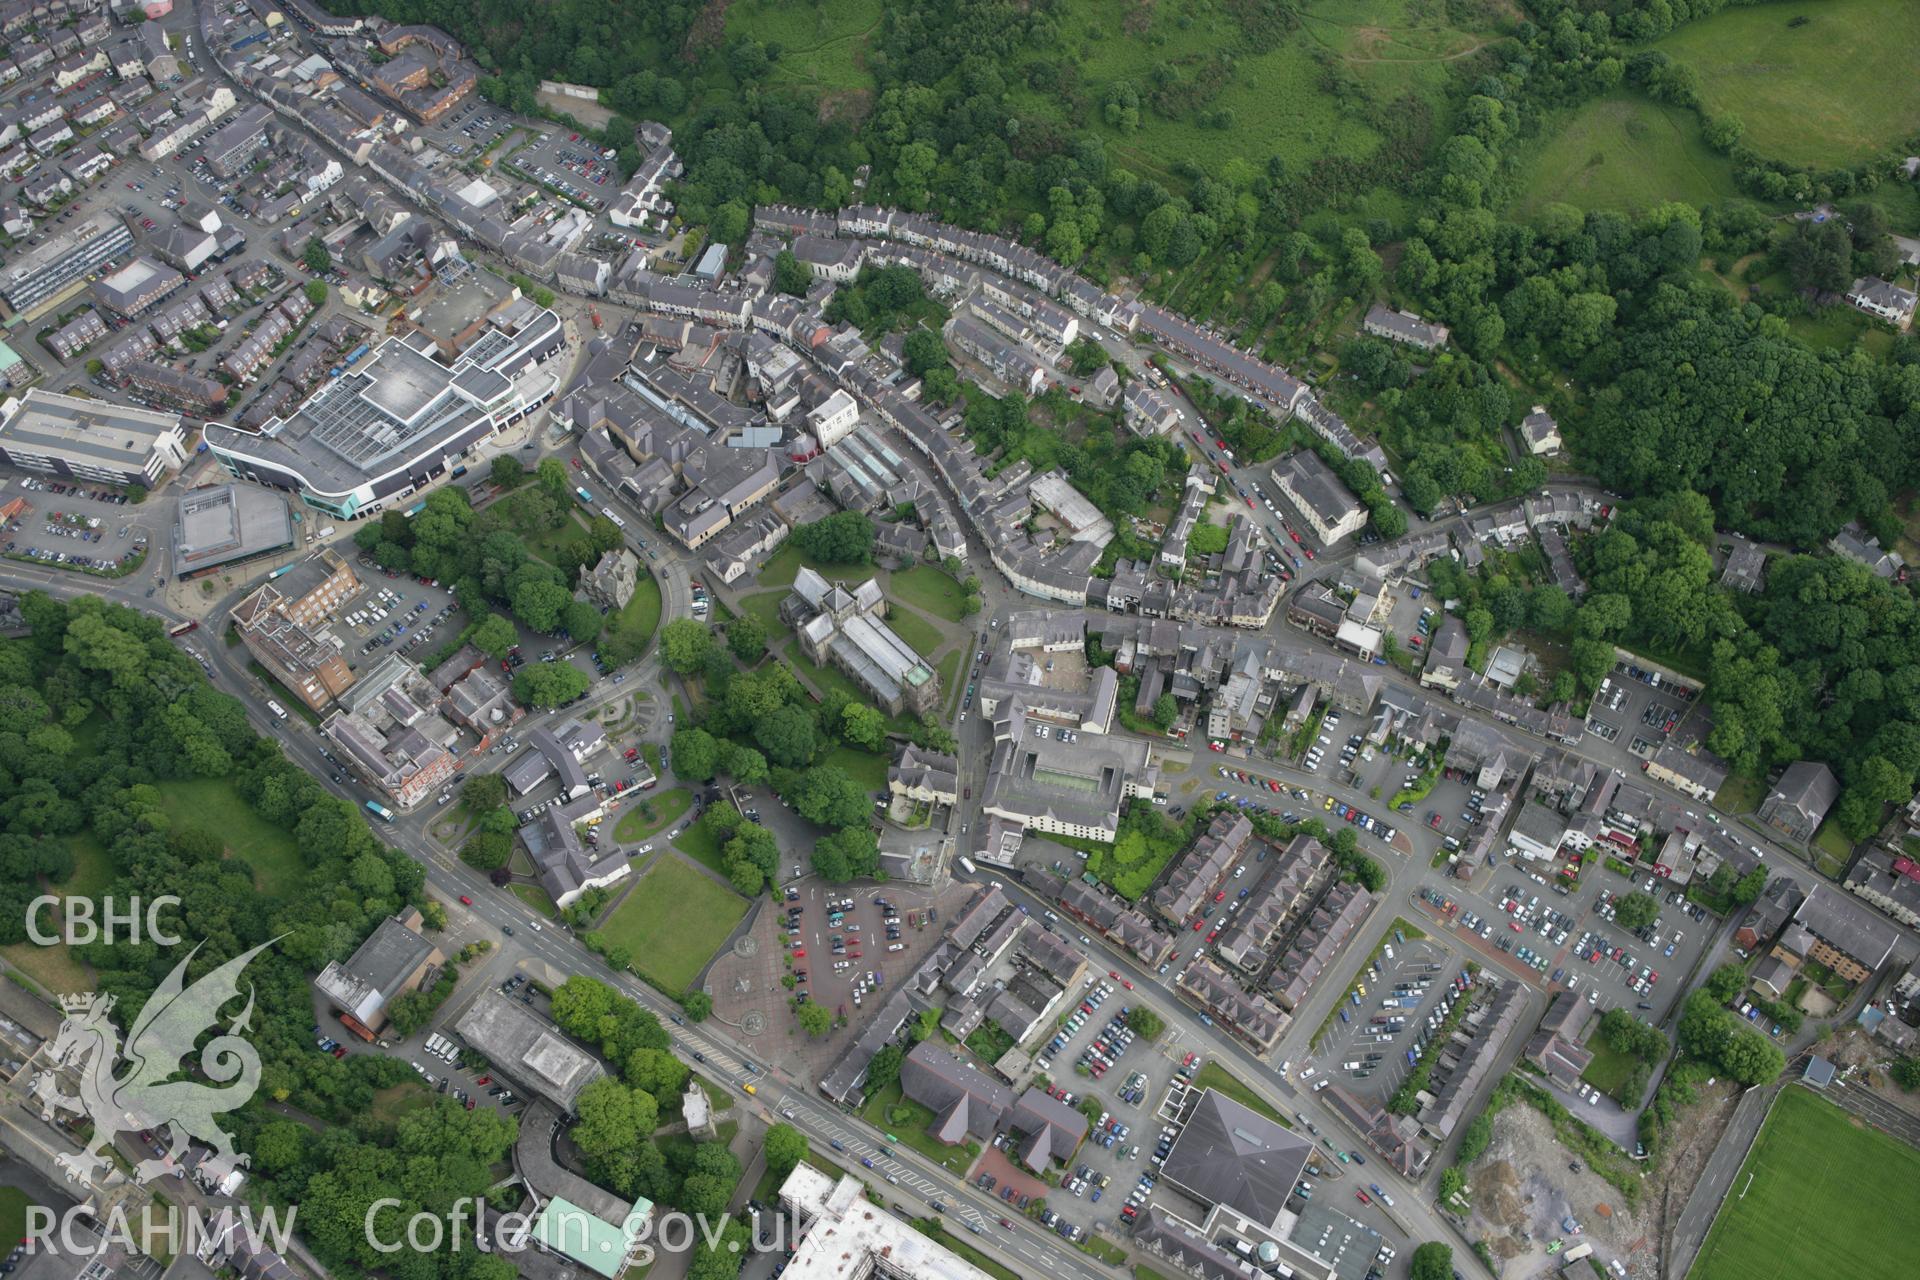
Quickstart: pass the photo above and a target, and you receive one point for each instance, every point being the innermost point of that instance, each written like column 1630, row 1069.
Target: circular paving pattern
column 753, row 1022
column 746, row 945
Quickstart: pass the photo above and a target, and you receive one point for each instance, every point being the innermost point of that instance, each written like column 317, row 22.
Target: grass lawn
column 545, row 544
column 1214, row 1076
column 701, row 843
column 52, row 968
column 785, row 564
column 1623, row 151
column 1798, row 88
column 765, row 606
column 929, row 590
column 916, row 631
column 672, row 922
column 1831, row 848
column 1740, row 794
column 864, row 767
column 907, row 1121
column 667, row 806
column 1141, row 1271
column 13, row 1215
column 391, row 1103
column 1803, row 1212
column 212, row 804
column 949, row 670
column 1609, row 1069
column 537, row 898
column 640, row 615
column 92, row 867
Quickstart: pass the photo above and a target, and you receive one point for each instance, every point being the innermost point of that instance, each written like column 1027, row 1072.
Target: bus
column 379, row 811
column 285, row 568
column 179, row 629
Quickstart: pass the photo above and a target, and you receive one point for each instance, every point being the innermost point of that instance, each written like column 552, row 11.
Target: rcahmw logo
column 87, row 1050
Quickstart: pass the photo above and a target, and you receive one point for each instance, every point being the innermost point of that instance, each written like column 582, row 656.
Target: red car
column 483, row 1079
column 1308, row 550
column 1293, row 535
column 575, row 462
column 1514, row 925
column 1113, row 973
column 800, row 953
column 633, row 753
column 1199, row 925
column 1220, row 896
column 1212, row 934
column 339, row 1051
column 1128, row 985
column 465, row 901
column 1362, row 1197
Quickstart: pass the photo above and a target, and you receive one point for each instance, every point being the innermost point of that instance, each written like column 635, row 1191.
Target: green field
column 700, row 842
column 212, row 805
column 640, row 615
column 1283, row 100
column 916, row 631
column 1828, row 1197
column 536, row 899
column 13, row 1215
column 867, row 768
column 1828, row 93
column 53, row 968
column 1609, row 1069
column 929, row 590
column 92, row 867
column 1215, row 1076
column 766, row 607
column 672, row 922
column 891, row 1112
column 823, row 45
column 666, row 805
column 1622, row 151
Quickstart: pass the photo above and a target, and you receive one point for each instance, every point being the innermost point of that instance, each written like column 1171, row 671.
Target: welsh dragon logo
column 149, row 1096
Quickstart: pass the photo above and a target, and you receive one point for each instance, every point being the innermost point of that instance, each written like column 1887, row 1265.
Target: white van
column 967, row 864
column 279, row 712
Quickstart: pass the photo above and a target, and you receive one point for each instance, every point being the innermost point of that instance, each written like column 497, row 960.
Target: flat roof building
column 138, row 285
column 398, row 418
column 394, row 960
column 91, row 439
column 66, row 260
column 527, row 1049
column 843, row 1234
column 226, row 524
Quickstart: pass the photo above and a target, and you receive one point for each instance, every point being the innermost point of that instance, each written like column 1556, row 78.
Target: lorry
column 379, row 811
